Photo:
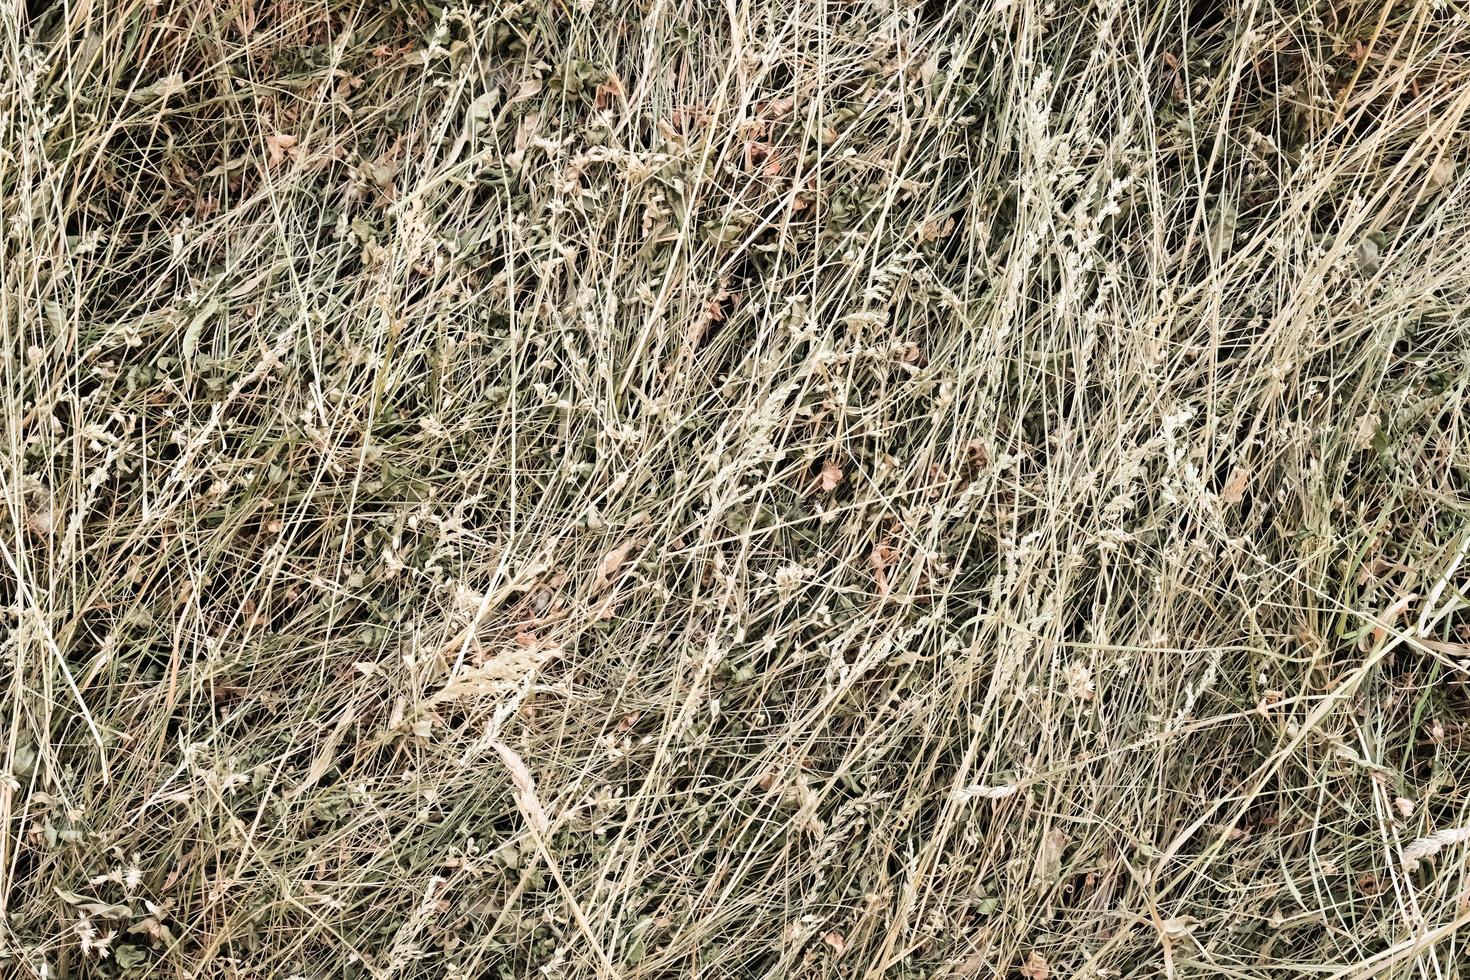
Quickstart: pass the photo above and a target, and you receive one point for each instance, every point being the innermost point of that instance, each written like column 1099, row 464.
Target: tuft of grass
column 674, row 489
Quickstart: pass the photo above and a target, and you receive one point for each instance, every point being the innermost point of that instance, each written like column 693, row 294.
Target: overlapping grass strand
column 754, row 489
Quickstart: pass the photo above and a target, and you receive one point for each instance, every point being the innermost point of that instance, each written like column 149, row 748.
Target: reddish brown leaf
column 278, row 147
column 608, row 90
column 830, row 476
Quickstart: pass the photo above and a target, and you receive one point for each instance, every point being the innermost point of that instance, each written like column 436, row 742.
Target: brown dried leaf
column 1049, row 856
column 278, row 147
column 830, row 476
column 1367, row 428
column 879, row 559
column 1036, row 967
column 525, row 129
column 1235, row 486
column 779, row 108
column 612, row 561
column 529, row 89
column 1441, row 173
column 612, row 87
column 934, row 229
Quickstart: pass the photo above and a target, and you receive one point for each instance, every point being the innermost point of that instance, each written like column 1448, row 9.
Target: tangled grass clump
column 873, row 489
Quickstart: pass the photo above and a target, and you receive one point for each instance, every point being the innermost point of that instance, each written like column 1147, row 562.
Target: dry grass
column 768, row 489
